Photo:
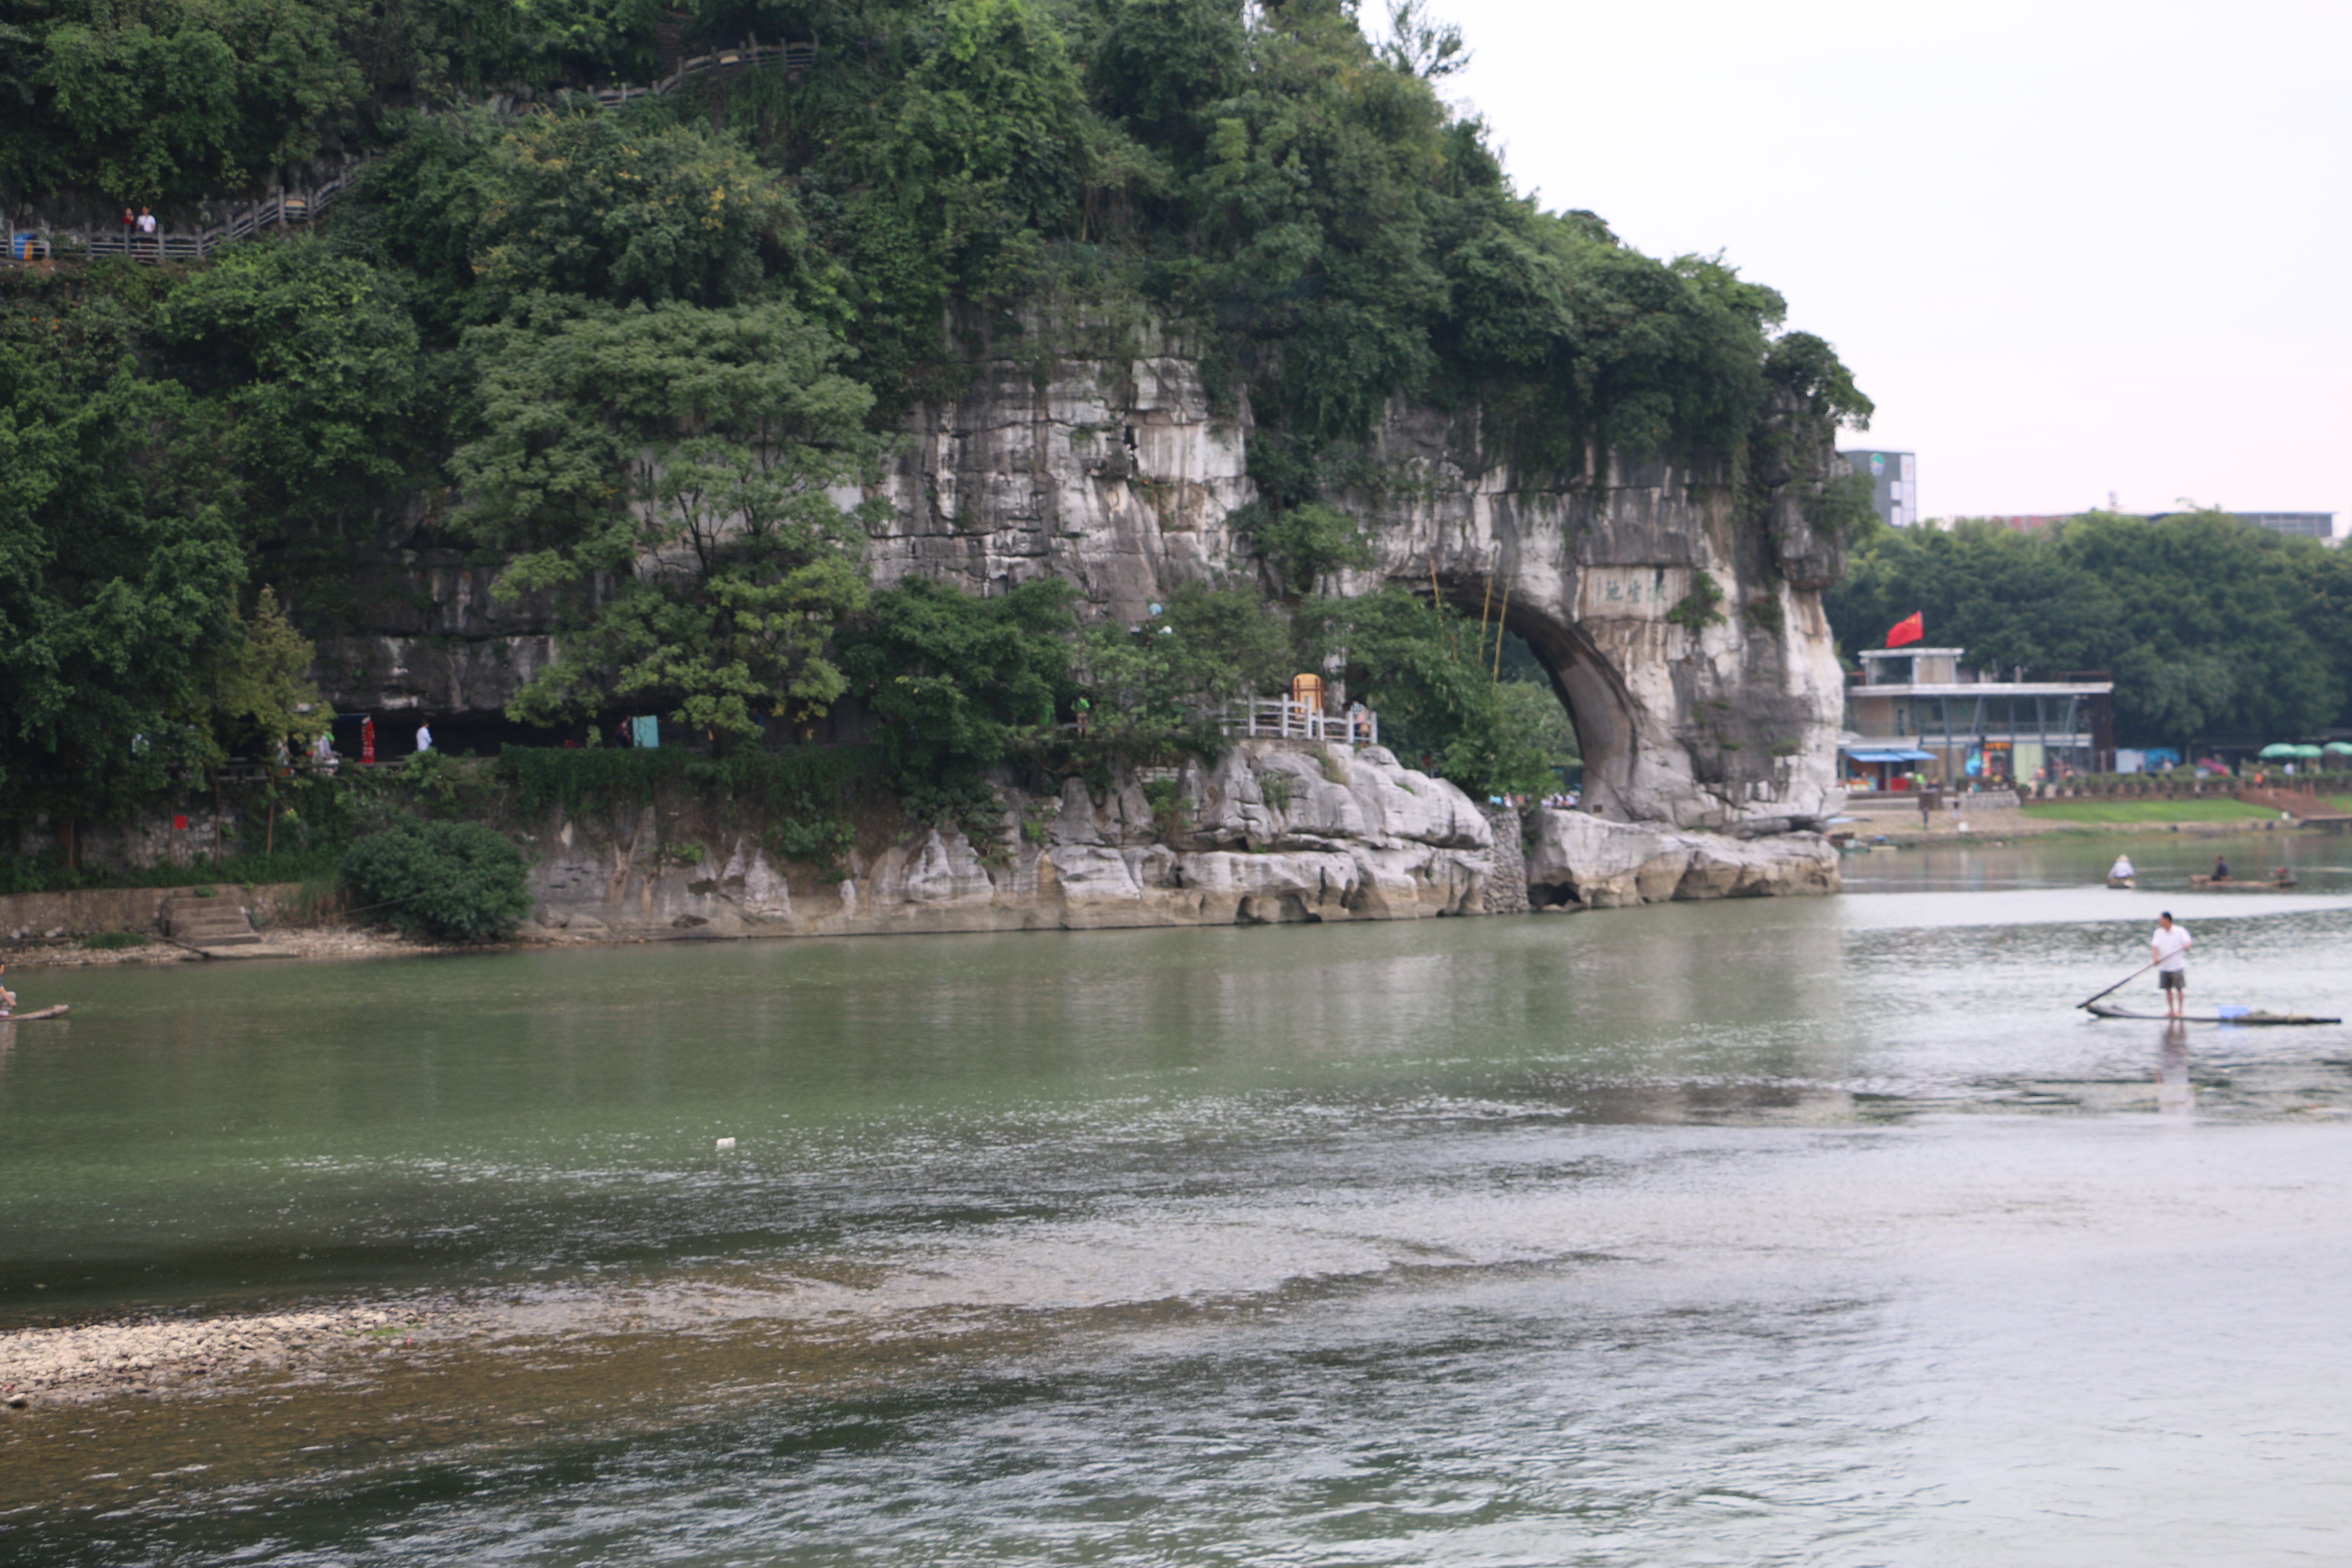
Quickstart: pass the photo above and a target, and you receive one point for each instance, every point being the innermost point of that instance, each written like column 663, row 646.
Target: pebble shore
column 307, row 941
column 184, row 1355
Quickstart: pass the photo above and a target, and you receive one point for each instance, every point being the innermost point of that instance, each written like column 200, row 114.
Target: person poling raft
column 2168, row 956
column 8, row 1013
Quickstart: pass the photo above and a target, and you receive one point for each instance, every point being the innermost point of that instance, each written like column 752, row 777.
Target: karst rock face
column 1694, row 708
column 1680, row 619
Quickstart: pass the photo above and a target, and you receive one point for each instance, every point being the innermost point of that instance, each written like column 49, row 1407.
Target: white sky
column 2067, row 248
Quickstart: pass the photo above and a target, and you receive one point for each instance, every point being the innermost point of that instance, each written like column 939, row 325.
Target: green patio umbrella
column 2339, row 748
column 2278, row 752
column 2309, row 752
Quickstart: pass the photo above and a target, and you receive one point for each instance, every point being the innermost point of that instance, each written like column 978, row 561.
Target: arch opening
column 1600, row 709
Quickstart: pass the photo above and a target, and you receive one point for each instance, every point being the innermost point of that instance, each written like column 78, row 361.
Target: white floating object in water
column 725, row 1144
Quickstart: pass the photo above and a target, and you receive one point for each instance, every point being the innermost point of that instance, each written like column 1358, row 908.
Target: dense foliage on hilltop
column 2213, row 629
column 634, row 354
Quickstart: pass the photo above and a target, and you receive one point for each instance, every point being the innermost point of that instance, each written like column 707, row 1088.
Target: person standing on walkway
column 424, row 736
column 147, row 239
column 2169, row 950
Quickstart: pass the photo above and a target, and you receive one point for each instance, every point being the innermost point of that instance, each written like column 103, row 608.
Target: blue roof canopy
column 1859, row 755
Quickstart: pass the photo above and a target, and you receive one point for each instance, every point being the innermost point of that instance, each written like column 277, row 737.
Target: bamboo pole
column 1437, row 605
column 1483, row 604
column 1508, row 584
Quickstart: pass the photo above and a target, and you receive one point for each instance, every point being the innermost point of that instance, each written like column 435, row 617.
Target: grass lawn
column 2103, row 812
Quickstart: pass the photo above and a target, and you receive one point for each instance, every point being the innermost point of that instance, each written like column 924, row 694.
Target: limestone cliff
column 1681, row 620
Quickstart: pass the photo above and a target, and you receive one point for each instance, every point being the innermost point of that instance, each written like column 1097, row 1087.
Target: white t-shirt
column 2122, row 867
column 2171, row 949
column 146, row 223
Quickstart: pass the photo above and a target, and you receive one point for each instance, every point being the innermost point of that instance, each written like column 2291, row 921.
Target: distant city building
column 2303, row 524
column 1894, row 484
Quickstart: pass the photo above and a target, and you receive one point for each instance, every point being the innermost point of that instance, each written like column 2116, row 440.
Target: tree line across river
column 2215, row 631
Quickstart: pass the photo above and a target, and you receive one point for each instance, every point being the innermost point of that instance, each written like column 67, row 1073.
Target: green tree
column 684, row 456
column 1159, row 687
column 620, row 208
column 452, row 881
column 959, row 682
column 172, row 99
column 118, row 583
column 305, row 362
column 1303, row 542
column 257, row 689
column 1421, row 668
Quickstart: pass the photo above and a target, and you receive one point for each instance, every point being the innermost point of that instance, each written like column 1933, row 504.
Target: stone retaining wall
column 1506, row 863
column 32, row 916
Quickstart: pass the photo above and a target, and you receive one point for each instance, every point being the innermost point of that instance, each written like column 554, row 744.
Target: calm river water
column 1821, row 1232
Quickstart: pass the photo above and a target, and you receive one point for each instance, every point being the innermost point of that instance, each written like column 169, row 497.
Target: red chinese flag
column 1910, row 629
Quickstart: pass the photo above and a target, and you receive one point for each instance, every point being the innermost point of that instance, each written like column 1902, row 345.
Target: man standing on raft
column 2169, row 950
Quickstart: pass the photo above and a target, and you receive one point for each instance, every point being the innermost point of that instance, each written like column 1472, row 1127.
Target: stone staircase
column 2307, row 806
column 209, row 924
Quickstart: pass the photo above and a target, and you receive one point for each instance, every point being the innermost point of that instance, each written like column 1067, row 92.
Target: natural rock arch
column 1678, row 614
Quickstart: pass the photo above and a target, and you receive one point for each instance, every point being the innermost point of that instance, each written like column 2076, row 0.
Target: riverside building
column 1919, row 710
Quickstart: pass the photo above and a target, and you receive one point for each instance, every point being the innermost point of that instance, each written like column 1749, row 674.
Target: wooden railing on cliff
column 41, row 242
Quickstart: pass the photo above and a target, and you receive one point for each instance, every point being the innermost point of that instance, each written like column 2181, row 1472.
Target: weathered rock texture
column 1696, row 710
column 1274, row 833
column 1584, row 859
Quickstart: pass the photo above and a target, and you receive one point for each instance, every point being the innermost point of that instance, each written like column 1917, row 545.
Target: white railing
column 1278, row 718
column 40, row 242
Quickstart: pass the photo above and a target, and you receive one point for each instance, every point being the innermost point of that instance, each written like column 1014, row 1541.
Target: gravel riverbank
column 52, row 1366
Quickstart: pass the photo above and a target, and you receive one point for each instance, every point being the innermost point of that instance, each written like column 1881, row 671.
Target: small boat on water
column 2241, row 884
column 2123, row 882
column 59, row 1011
column 2252, row 1018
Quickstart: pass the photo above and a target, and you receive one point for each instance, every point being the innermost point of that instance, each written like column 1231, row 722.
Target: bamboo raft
column 2254, row 1019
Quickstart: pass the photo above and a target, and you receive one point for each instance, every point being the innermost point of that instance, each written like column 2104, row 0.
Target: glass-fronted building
column 1917, row 710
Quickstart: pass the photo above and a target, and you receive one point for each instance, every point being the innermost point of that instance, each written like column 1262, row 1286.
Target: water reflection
column 2173, row 1095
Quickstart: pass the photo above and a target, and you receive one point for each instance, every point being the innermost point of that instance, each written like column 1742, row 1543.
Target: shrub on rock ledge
column 453, row 881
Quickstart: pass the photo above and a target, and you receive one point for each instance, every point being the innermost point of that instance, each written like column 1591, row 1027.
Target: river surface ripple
column 1797, row 1232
